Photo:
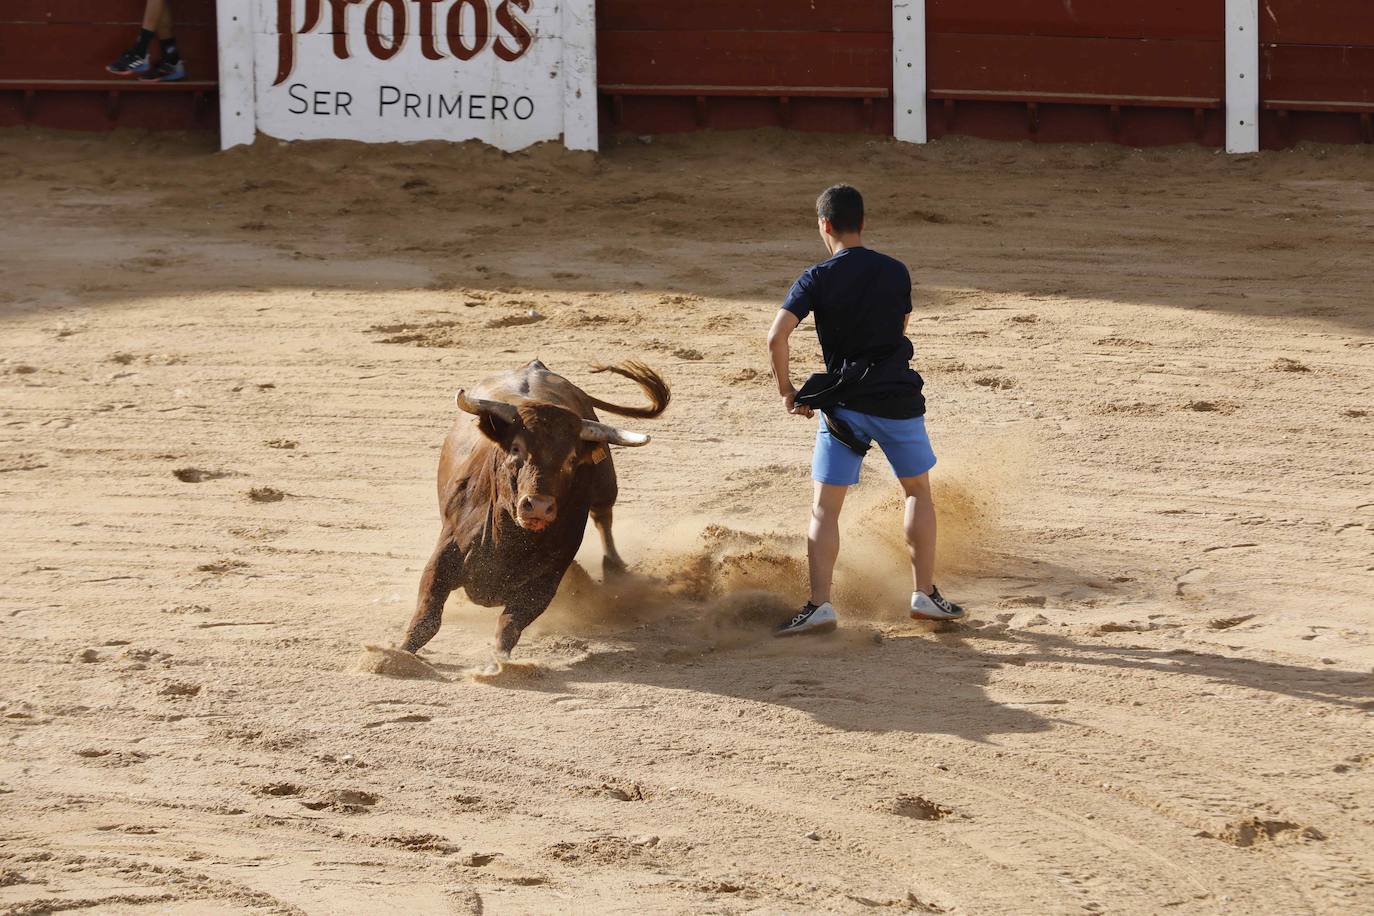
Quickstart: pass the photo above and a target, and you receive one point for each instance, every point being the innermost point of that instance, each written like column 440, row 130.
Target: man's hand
column 789, row 404
column 778, row 355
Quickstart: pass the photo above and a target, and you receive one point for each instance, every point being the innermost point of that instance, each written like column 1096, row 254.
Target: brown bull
column 515, row 488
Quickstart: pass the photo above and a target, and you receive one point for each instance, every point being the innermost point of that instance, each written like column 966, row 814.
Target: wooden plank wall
column 75, row 39
column 758, row 45
column 1117, row 48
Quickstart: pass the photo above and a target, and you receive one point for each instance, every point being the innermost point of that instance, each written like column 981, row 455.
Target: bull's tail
column 652, row 383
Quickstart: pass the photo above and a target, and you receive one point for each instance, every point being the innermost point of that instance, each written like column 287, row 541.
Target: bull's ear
column 595, row 455
column 498, row 430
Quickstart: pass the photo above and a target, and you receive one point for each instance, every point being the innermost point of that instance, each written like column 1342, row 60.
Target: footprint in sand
column 1189, row 580
column 1284, row 364
column 390, row 662
column 1225, row 623
column 220, row 567
column 1222, row 407
column 629, row 791
column 918, row 808
column 344, row 801
column 1255, row 831
column 420, row 842
column 112, row 758
column 1220, row 547
column 399, row 720
column 198, row 475
column 1131, row 626
column 478, row 859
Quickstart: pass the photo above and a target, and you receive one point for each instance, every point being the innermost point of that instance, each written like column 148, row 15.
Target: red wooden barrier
column 1316, row 71
column 1139, row 73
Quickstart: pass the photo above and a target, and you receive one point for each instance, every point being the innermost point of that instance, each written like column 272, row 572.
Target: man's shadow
column 855, row 679
column 928, row 679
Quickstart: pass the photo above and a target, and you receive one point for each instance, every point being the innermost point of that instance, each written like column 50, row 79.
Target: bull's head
column 543, row 446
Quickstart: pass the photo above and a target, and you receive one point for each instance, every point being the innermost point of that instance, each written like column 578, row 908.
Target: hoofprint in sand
column 224, row 381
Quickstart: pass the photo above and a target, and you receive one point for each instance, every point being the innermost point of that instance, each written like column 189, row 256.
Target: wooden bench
column 784, row 95
column 200, row 91
column 1365, row 110
column 1200, row 105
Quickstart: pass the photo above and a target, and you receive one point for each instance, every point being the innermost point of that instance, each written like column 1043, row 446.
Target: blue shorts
column 904, row 443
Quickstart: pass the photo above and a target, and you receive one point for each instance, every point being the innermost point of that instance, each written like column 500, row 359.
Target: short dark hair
column 843, row 205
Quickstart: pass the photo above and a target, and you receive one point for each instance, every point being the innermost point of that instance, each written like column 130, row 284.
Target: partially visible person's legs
column 908, row 450
column 171, row 67
column 157, row 23
column 920, row 531
column 823, row 538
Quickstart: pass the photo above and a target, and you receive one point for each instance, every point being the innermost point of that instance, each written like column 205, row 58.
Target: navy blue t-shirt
column 860, row 299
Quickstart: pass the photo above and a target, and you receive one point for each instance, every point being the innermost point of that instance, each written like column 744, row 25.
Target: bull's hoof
column 498, row 661
column 611, row 567
column 501, row 668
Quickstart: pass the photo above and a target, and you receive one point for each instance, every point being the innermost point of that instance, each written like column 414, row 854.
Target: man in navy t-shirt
column 861, row 301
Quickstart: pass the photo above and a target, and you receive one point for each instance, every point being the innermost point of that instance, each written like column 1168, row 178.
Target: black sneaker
column 934, row 606
column 810, row 619
column 165, row 73
column 130, row 63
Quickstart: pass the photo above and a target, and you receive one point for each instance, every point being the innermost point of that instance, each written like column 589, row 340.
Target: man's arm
column 780, row 354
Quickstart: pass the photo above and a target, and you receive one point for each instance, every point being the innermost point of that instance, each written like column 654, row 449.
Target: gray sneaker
column 934, row 606
column 810, row 619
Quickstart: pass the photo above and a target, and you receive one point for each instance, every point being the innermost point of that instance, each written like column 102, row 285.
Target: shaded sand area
column 223, row 382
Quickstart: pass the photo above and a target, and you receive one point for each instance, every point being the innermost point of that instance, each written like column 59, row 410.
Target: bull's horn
column 499, row 409
column 593, row 431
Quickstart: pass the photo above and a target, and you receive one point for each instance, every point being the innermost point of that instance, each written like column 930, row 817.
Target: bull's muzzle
column 536, row 512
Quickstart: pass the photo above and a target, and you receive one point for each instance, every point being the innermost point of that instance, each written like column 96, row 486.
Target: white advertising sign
column 507, row 72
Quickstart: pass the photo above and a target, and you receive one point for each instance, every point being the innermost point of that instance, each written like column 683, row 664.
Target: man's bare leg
column 157, row 17
column 926, row 602
column 823, row 538
column 920, row 531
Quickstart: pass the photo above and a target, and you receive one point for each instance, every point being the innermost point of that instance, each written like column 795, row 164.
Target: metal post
column 909, row 70
column 237, row 97
column 1242, row 76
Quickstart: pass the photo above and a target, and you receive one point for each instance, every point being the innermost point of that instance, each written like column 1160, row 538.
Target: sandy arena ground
column 223, row 382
